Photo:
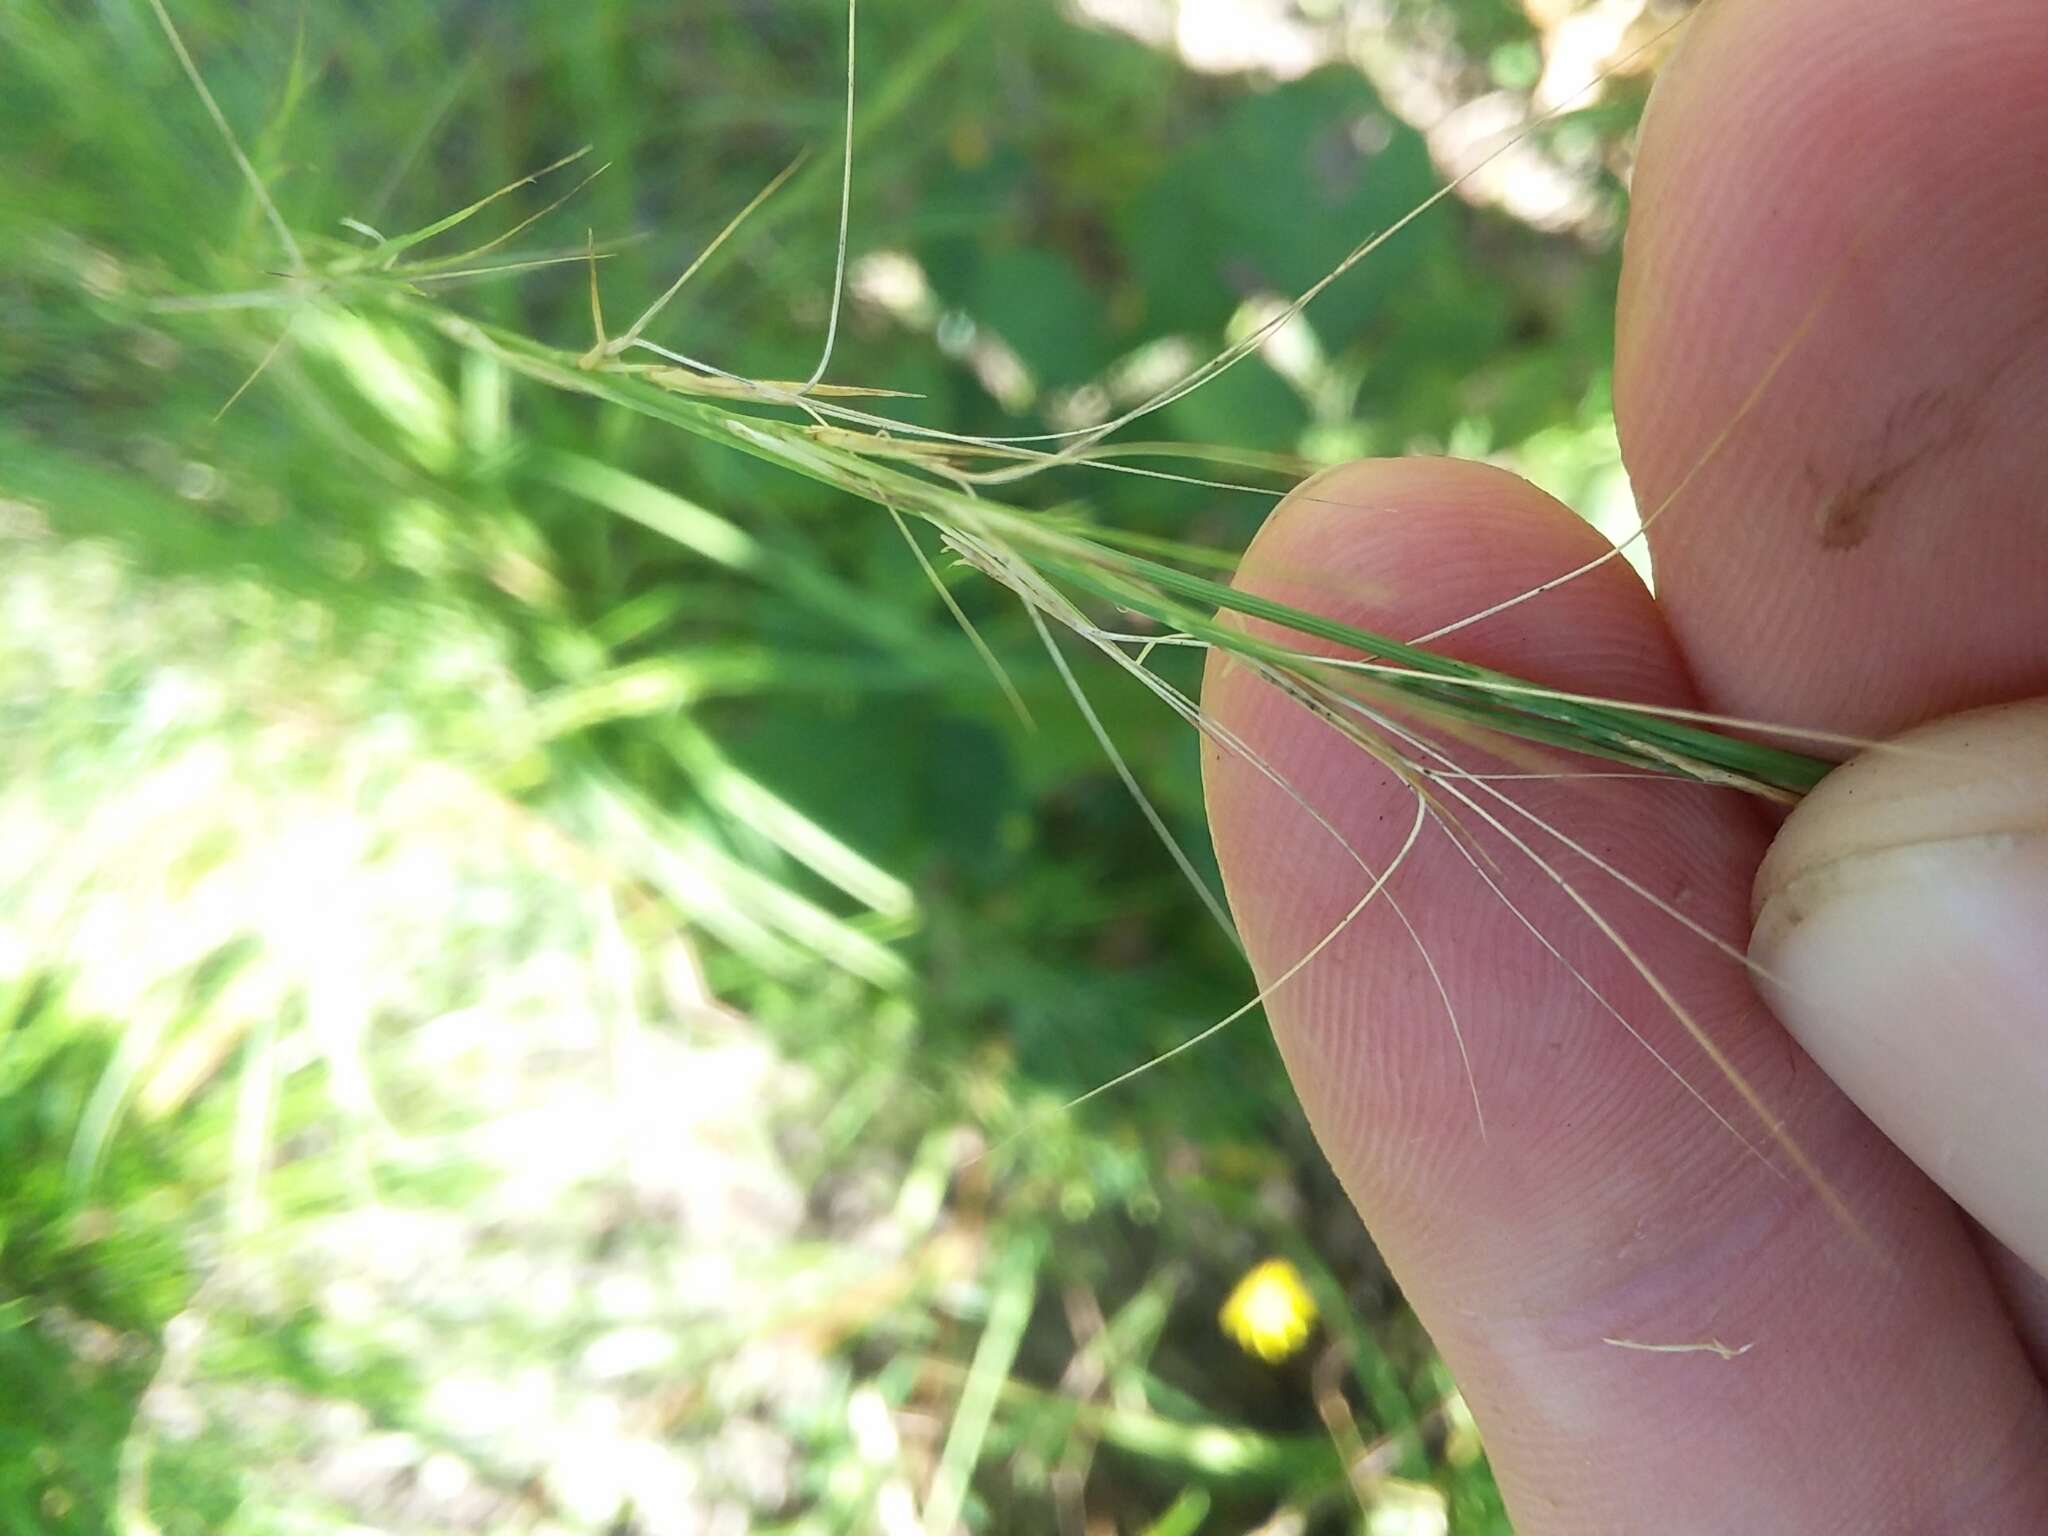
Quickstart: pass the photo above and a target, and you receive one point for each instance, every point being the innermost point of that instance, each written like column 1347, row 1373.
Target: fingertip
column 1299, row 811
column 1829, row 373
column 1396, row 547
column 1404, row 546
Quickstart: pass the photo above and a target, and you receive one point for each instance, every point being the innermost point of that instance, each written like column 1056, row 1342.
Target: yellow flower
column 1270, row 1312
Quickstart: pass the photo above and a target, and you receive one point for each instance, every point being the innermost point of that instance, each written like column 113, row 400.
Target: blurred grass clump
column 537, row 967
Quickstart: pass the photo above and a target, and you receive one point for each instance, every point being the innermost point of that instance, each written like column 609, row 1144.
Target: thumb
column 1902, row 935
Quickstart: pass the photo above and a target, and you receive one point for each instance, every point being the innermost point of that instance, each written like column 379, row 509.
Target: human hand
column 1845, row 202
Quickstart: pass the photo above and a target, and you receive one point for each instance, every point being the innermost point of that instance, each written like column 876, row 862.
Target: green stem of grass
column 1062, row 559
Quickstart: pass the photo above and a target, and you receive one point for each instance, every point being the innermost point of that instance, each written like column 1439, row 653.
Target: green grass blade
column 1015, row 1288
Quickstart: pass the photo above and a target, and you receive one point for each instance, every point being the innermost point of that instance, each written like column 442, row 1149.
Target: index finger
column 1842, row 201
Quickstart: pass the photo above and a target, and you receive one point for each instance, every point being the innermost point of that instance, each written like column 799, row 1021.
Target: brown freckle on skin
column 1924, row 426
column 1846, row 517
column 1927, row 426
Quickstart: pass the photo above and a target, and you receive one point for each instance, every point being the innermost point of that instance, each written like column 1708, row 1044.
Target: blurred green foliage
column 731, row 730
